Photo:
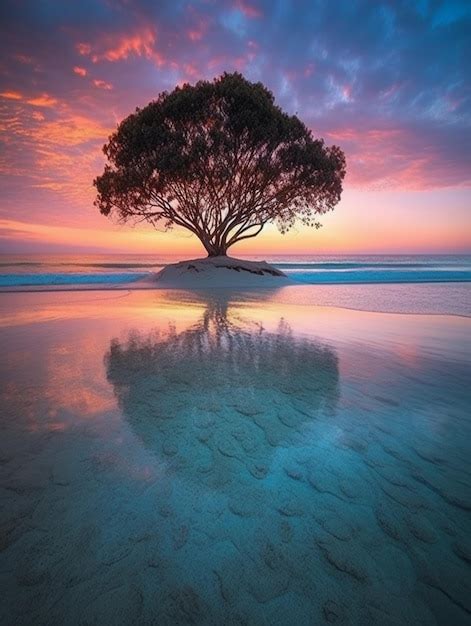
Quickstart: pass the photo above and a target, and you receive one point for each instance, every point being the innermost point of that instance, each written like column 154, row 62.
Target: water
column 37, row 270
column 177, row 458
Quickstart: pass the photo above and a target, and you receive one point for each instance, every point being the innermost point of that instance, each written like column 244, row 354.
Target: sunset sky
column 387, row 81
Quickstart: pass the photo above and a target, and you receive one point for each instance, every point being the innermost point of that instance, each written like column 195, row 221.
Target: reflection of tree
column 223, row 391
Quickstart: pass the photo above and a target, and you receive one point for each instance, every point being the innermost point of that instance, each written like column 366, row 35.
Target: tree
column 221, row 160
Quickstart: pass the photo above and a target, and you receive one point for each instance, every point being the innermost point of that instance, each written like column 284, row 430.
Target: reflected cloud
column 222, row 392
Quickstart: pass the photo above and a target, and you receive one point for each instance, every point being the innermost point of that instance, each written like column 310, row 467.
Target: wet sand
column 175, row 458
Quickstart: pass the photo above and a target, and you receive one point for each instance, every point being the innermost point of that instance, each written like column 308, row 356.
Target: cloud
column 102, row 84
column 393, row 91
column 11, row 95
column 249, row 10
column 44, row 100
column 402, row 157
column 115, row 47
column 56, row 151
column 84, row 48
column 41, row 100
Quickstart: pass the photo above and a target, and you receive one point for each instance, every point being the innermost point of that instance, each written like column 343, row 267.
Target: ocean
column 112, row 269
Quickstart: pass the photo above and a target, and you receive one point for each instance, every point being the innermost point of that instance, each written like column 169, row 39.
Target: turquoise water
column 34, row 270
column 183, row 459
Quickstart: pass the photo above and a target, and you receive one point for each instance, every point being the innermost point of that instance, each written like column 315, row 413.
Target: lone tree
column 221, row 160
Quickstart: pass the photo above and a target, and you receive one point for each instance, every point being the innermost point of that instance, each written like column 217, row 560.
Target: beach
column 235, row 313
column 294, row 455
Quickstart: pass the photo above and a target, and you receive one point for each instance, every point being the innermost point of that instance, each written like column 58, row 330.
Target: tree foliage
column 221, row 160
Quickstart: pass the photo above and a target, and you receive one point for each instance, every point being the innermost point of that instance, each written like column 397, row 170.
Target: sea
column 409, row 283
column 70, row 269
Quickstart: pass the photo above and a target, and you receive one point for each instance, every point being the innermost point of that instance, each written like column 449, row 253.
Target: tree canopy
column 220, row 159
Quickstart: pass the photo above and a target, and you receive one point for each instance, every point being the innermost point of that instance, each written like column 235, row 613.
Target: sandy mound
column 220, row 272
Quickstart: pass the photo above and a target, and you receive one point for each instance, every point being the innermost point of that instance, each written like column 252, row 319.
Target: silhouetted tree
column 221, row 160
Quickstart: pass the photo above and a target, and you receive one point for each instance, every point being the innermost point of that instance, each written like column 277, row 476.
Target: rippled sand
column 183, row 459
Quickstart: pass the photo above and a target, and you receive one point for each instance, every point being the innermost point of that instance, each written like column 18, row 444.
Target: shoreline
column 140, row 285
column 321, row 296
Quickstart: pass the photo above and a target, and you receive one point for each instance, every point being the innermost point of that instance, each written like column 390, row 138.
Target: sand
column 220, row 272
column 175, row 458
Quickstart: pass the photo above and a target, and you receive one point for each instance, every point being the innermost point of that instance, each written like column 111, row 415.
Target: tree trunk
column 215, row 250
column 221, row 251
column 212, row 245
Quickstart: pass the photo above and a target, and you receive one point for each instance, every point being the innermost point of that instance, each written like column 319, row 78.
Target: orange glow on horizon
column 101, row 234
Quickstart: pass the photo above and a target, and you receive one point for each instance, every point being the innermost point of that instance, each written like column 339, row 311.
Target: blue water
column 220, row 461
column 21, row 271
column 70, row 278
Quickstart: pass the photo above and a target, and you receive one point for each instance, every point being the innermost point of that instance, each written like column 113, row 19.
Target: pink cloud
column 121, row 46
column 11, row 95
column 44, row 100
column 84, row 49
column 80, row 71
column 102, row 84
column 195, row 35
column 190, row 70
column 198, row 30
column 247, row 9
column 58, row 153
column 347, row 92
column 393, row 159
column 139, row 44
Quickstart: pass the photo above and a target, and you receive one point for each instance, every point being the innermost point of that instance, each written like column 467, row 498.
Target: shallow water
column 170, row 458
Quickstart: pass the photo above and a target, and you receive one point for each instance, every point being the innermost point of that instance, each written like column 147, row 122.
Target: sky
column 387, row 81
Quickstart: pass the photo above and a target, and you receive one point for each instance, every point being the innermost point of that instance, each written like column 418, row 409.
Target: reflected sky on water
column 179, row 458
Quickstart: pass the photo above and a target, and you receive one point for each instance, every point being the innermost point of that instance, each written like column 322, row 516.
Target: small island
column 220, row 271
